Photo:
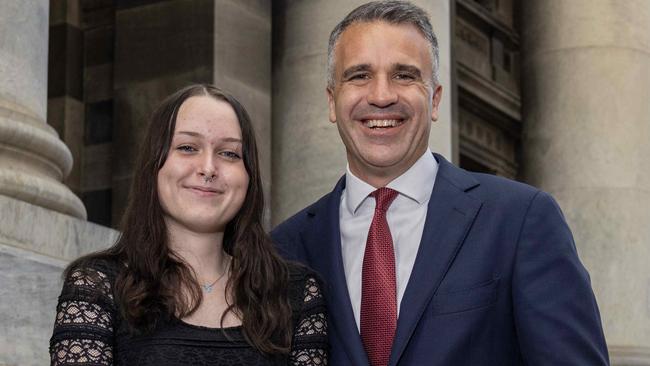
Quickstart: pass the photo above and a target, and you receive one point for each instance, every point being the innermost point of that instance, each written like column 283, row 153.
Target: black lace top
column 88, row 329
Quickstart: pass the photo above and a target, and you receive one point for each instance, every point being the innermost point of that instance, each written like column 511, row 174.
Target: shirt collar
column 416, row 183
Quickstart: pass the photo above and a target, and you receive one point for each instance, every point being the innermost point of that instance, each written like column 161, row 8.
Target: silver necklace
column 208, row 286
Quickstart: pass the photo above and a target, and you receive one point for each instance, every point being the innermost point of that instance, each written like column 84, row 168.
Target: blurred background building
column 555, row 93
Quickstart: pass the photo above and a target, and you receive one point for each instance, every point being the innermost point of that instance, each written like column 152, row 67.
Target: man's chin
column 383, row 161
column 379, row 165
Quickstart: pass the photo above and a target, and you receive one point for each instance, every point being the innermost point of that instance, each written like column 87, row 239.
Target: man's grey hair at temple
column 393, row 12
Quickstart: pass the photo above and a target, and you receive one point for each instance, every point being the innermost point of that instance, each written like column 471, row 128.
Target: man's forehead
column 364, row 42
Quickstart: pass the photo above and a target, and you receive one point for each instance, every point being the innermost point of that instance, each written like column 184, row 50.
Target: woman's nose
column 207, row 167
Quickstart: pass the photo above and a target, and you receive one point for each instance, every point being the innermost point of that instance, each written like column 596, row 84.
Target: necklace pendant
column 207, row 288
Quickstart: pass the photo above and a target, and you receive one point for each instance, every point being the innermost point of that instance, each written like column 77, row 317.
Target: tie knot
column 384, row 197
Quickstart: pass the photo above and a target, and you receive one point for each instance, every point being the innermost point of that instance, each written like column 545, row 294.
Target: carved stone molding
column 487, row 144
column 491, row 93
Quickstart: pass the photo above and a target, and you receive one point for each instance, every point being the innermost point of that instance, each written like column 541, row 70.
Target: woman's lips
column 204, row 191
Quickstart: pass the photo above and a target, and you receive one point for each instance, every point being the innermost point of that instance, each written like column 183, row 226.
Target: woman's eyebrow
column 198, row 134
column 231, row 139
column 189, row 133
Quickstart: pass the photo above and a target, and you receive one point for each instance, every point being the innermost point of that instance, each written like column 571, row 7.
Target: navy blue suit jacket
column 497, row 279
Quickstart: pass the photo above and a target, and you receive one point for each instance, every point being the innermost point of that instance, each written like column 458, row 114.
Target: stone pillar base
column 35, row 245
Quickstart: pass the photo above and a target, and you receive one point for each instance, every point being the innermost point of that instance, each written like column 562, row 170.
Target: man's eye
column 359, row 77
column 404, row 76
column 186, row 148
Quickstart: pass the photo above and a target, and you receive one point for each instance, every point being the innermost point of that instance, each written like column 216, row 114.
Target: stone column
column 586, row 87
column 308, row 155
column 33, row 160
column 42, row 223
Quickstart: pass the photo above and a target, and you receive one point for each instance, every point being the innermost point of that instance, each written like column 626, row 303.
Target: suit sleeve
column 556, row 315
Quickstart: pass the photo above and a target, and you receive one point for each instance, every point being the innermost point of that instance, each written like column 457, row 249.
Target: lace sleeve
column 83, row 328
column 309, row 346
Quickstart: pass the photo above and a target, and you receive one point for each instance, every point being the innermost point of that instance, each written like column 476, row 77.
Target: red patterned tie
column 378, row 284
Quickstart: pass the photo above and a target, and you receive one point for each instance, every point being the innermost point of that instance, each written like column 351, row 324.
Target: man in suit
column 425, row 263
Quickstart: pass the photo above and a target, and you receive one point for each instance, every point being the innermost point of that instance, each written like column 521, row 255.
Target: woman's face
column 203, row 183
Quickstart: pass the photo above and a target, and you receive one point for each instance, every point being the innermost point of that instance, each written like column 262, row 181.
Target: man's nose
column 382, row 92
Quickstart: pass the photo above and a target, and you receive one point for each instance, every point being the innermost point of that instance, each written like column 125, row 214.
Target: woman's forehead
column 207, row 116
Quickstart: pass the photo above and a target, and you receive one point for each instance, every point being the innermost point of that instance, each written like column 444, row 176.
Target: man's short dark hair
column 393, row 12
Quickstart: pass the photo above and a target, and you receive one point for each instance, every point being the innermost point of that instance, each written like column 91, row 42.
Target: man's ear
column 331, row 104
column 435, row 102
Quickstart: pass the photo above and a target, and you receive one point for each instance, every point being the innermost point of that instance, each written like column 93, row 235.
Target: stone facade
column 486, row 46
column 552, row 92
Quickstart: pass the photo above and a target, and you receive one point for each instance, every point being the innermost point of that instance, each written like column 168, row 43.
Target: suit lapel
column 450, row 214
column 324, row 252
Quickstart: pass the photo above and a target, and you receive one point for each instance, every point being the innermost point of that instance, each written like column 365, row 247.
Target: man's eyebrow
column 356, row 68
column 408, row 68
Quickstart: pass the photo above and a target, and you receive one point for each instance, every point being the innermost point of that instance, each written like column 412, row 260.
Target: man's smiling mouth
column 382, row 123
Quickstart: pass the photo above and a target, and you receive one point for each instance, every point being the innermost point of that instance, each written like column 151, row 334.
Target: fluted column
column 33, row 160
column 586, row 87
column 308, row 155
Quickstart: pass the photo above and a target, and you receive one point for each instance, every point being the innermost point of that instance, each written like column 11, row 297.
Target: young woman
column 193, row 279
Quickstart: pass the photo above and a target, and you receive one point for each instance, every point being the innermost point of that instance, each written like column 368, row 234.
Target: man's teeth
column 381, row 123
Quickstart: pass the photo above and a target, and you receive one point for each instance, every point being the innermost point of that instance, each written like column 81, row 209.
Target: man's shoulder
column 482, row 185
column 289, row 229
column 287, row 235
column 506, row 196
column 499, row 192
column 301, row 218
column 493, row 184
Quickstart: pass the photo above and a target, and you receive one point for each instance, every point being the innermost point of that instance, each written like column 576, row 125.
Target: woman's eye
column 186, row 148
column 231, row 155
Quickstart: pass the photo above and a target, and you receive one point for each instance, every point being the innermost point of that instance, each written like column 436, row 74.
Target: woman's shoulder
column 92, row 275
column 103, row 266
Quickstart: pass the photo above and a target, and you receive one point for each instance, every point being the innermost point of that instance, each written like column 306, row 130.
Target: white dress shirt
column 405, row 216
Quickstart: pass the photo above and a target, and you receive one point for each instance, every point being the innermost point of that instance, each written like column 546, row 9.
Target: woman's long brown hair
column 147, row 288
